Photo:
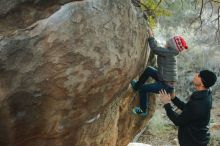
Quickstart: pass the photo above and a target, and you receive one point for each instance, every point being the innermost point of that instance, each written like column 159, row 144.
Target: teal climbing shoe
column 138, row 111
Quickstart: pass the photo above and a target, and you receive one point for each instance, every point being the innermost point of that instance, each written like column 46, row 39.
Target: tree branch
column 216, row 1
column 158, row 4
column 200, row 14
column 217, row 34
column 210, row 1
column 182, row 3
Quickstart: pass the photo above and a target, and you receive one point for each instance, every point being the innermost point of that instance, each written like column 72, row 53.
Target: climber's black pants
column 144, row 89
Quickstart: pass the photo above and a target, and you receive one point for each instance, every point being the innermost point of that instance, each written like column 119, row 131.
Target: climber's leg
column 148, row 72
column 145, row 90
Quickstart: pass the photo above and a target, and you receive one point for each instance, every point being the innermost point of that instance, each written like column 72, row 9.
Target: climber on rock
column 165, row 74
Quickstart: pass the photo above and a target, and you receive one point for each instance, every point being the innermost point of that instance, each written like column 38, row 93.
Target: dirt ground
column 161, row 131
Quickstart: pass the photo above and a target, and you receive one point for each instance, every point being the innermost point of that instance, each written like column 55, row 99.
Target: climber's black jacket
column 194, row 120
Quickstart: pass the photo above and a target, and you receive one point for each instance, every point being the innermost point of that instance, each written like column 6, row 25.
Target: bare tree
column 213, row 18
column 199, row 5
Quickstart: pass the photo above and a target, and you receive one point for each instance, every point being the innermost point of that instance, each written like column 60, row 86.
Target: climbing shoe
column 133, row 85
column 138, row 111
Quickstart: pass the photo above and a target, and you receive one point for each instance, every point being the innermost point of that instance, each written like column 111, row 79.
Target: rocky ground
column 162, row 132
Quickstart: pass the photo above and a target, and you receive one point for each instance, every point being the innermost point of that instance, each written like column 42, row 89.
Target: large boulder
column 64, row 78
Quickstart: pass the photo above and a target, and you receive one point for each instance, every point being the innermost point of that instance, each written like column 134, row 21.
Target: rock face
column 64, row 76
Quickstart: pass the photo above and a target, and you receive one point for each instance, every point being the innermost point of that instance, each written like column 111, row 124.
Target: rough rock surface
column 64, row 76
